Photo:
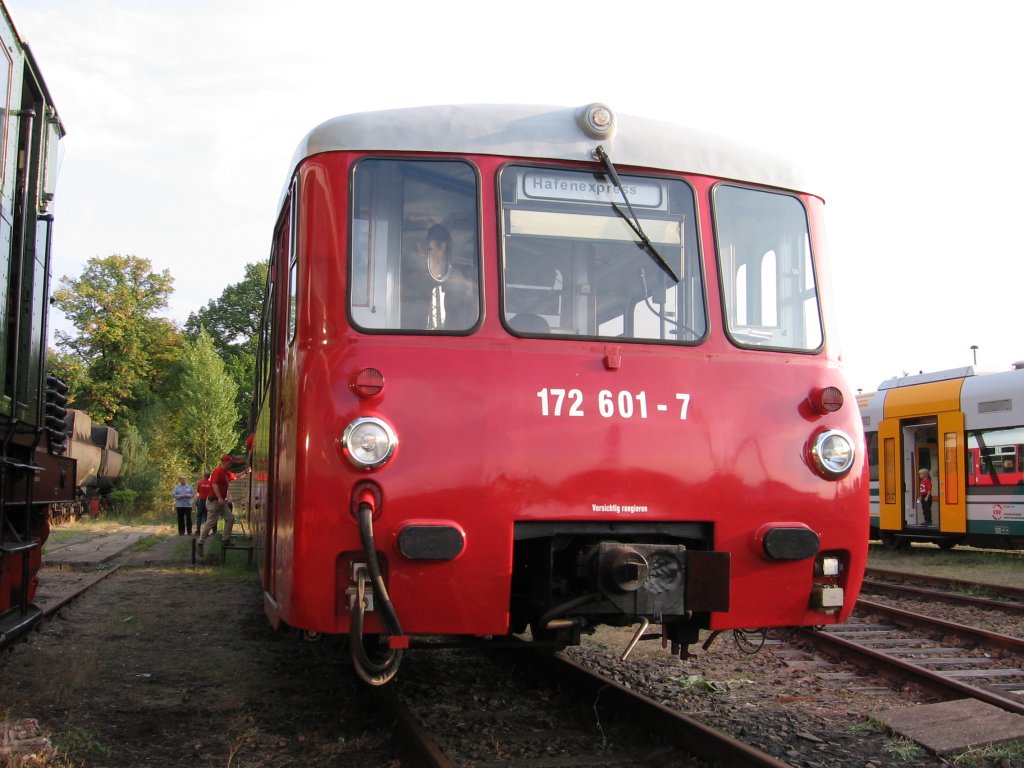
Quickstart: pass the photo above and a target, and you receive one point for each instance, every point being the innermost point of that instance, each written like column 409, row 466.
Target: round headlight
column 832, row 453
column 369, row 442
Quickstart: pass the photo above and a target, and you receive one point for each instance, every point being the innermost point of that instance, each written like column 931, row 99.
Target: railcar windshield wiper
column 634, row 223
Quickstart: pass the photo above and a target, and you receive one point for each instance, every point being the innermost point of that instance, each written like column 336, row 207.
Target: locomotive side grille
column 56, row 413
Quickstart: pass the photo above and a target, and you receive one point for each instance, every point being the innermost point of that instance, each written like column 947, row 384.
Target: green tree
column 205, row 413
column 70, row 370
column 233, row 322
column 138, row 472
column 152, row 457
column 124, row 348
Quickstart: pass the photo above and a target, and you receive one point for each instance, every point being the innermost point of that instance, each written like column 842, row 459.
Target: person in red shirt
column 217, row 504
column 924, row 493
column 204, row 490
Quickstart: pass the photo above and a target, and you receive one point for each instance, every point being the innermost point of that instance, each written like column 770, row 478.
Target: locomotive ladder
column 16, row 539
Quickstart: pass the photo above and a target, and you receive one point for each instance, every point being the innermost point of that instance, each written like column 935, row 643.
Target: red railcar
column 549, row 368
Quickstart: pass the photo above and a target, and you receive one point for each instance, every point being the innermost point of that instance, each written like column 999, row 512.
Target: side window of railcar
column 51, row 154
column 871, row 438
column 572, row 265
column 771, row 298
column 415, row 246
column 263, row 375
column 293, row 267
column 995, row 456
column 279, row 251
column 5, row 99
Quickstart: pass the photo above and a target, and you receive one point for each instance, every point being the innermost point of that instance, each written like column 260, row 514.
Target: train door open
column 922, row 428
column 937, row 445
column 920, row 451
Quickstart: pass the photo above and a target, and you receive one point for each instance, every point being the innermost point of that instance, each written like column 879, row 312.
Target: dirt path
column 177, row 666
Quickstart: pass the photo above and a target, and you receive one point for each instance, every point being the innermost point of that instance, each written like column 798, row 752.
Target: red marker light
column 368, row 382
column 827, row 400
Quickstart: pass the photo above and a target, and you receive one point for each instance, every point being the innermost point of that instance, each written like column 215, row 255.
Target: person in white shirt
column 183, row 494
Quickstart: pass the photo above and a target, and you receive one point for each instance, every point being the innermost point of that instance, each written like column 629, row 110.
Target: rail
column 908, row 658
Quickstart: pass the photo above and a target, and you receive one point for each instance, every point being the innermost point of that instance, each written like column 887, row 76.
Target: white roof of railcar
column 550, row 133
column 994, row 401
column 988, row 400
column 927, row 378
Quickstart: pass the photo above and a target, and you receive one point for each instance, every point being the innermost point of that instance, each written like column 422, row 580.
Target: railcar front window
column 415, row 253
column 771, row 299
column 572, row 266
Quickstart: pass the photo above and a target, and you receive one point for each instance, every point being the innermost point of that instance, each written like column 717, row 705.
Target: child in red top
column 924, row 493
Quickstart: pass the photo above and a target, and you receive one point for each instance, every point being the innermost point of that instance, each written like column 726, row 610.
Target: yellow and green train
column 967, row 429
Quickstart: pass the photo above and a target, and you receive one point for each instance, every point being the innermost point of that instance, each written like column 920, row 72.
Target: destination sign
column 584, row 188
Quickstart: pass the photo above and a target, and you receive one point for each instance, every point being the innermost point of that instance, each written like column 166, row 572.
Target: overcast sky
column 182, row 116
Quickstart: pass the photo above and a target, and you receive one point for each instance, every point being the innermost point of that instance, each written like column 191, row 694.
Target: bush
column 123, row 501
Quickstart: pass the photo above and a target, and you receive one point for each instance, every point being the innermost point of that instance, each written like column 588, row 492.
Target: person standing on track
column 217, row 504
column 183, row 494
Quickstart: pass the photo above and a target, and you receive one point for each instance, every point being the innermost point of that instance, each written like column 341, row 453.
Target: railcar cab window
column 573, row 266
column 771, row 299
column 415, row 246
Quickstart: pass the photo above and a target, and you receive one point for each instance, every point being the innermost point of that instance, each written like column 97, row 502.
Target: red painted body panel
column 476, row 450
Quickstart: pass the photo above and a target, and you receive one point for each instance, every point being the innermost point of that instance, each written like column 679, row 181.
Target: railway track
column 557, row 713
column 72, row 566
column 973, row 634
column 489, row 726
column 1009, row 599
column 986, row 666
column 56, row 590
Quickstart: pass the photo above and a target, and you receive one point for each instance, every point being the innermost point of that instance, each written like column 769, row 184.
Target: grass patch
column 987, row 567
column 1011, row 754
column 61, row 534
column 146, row 543
column 231, row 572
column 184, row 547
column 236, row 562
column 78, row 740
column 162, row 526
column 870, row 725
column 902, row 749
column 106, row 520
